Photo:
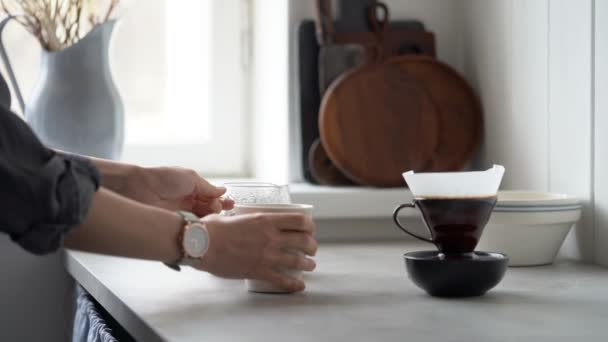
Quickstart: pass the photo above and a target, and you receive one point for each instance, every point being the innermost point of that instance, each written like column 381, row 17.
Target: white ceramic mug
column 240, row 209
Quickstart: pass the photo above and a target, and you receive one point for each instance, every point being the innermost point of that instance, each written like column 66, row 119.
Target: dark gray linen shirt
column 43, row 194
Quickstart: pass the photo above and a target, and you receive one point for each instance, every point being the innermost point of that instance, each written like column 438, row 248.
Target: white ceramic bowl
column 530, row 227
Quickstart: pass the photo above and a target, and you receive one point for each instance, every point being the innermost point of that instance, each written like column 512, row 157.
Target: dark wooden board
column 352, row 17
column 310, row 98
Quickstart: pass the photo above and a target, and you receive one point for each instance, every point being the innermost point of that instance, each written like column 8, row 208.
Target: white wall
column 530, row 61
column 571, row 113
column 505, row 58
column 601, row 128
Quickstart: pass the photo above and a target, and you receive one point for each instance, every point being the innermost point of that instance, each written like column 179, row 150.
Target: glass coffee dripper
column 257, row 193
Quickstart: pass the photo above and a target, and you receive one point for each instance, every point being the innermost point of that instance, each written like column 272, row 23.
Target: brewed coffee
column 456, row 224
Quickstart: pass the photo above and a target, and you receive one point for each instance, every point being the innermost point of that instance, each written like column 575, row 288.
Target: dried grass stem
column 58, row 24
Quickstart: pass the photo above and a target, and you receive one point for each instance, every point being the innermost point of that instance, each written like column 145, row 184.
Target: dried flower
column 58, row 24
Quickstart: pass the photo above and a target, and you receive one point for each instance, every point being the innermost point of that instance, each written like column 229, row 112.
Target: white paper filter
column 455, row 184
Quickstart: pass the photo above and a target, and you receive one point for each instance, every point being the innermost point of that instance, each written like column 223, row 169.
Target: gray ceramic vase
column 75, row 105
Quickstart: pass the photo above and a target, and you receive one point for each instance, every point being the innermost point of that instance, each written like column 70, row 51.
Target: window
column 181, row 68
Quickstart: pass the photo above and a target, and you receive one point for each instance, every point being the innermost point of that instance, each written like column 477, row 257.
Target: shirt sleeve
column 43, row 194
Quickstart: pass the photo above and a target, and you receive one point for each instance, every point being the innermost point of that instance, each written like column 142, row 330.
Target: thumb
column 205, row 189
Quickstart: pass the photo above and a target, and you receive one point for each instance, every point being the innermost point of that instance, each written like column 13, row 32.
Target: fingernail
column 313, row 265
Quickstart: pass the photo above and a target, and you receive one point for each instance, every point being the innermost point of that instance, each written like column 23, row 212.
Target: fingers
column 299, row 241
column 205, row 190
column 210, row 191
column 295, row 262
column 284, row 281
column 211, row 206
column 227, row 203
column 293, row 222
column 204, row 208
column 215, row 206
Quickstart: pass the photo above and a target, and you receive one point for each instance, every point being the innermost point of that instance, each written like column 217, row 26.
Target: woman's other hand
column 176, row 188
column 256, row 246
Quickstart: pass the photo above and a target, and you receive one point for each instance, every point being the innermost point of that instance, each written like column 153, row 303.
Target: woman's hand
column 171, row 188
column 175, row 188
column 255, row 246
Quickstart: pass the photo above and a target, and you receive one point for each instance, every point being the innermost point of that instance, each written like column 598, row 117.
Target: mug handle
column 398, row 223
column 8, row 66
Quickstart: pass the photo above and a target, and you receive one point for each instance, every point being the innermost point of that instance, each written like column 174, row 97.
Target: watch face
column 196, row 240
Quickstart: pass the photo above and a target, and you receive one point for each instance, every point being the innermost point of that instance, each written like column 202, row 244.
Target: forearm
column 118, row 226
column 115, row 176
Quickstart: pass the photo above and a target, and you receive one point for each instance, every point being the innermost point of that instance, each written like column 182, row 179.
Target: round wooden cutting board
column 376, row 122
column 459, row 108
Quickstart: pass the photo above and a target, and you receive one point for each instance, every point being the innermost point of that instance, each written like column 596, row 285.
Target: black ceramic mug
column 455, row 223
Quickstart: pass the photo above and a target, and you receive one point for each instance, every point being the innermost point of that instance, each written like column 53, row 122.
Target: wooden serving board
column 460, row 114
column 376, row 122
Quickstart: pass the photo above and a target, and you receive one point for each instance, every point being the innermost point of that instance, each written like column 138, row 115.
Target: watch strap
column 188, row 216
column 184, row 260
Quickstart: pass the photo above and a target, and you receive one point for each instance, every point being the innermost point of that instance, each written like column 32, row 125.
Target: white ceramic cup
column 240, row 209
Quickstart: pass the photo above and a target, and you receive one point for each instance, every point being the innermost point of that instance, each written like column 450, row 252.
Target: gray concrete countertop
column 359, row 292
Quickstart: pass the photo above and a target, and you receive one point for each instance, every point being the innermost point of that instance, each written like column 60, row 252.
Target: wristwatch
column 193, row 241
